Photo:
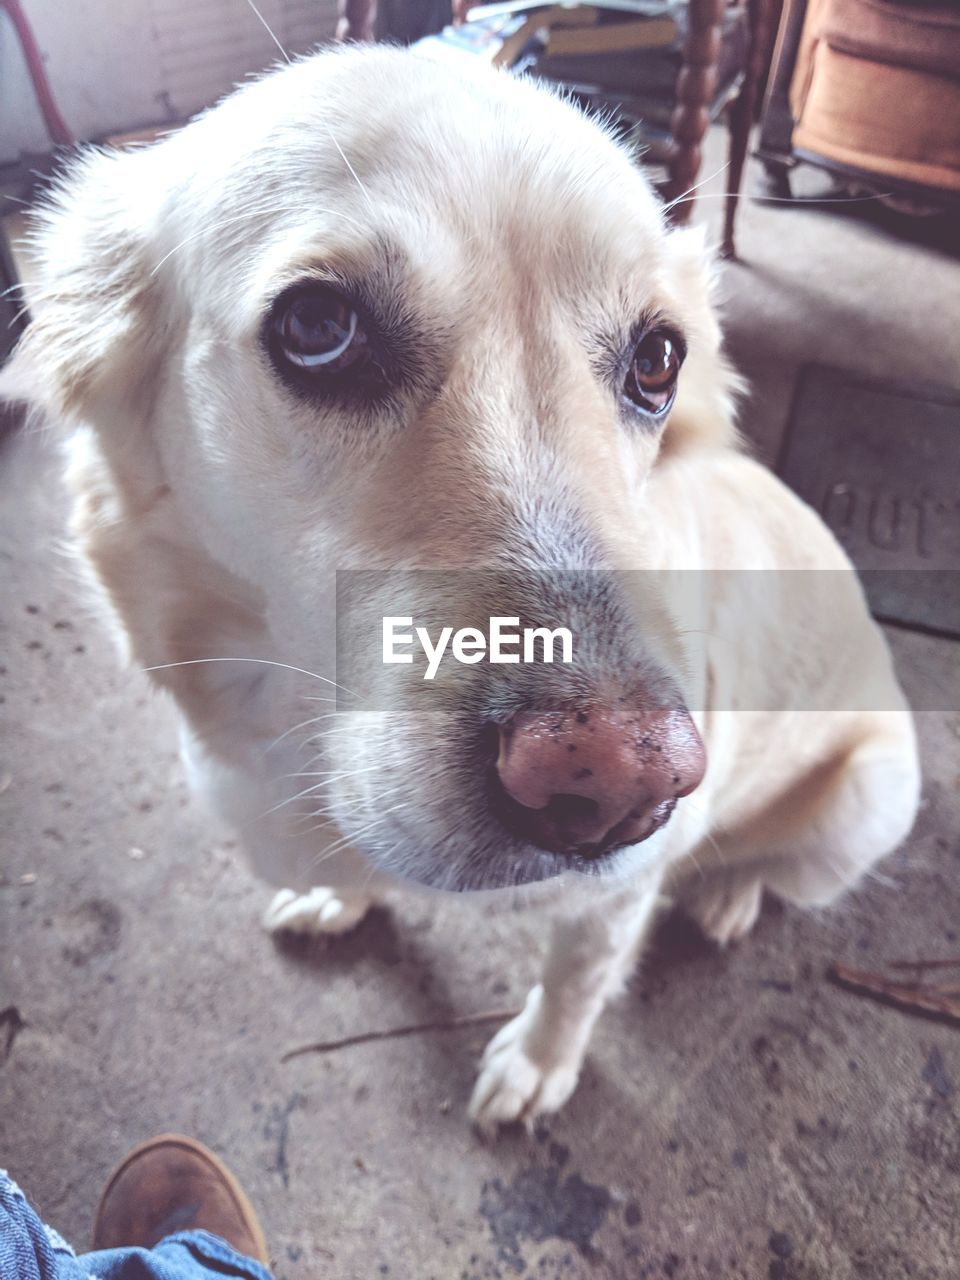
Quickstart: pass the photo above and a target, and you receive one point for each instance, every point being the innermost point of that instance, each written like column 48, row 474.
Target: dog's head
column 375, row 313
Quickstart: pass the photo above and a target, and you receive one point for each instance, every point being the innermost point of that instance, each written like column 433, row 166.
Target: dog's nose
column 591, row 780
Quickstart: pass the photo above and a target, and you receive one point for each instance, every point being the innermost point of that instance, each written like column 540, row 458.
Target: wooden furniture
column 56, row 126
column 11, row 304
column 696, row 87
column 870, row 91
column 12, row 310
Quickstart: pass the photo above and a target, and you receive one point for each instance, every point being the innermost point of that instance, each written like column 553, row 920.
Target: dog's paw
column 319, row 911
column 517, row 1080
column 725, row 907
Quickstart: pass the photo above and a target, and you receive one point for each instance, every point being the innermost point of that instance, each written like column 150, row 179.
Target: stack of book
column 619, row 54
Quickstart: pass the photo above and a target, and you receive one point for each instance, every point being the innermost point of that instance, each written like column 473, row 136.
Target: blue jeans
column 31, row 1251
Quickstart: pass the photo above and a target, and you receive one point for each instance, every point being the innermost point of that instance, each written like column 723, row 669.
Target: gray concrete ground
column 738, row 1116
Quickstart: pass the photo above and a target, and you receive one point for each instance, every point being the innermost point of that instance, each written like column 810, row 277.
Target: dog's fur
column 507, row 238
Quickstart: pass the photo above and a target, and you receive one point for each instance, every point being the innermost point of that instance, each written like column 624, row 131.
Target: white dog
column 374, row 313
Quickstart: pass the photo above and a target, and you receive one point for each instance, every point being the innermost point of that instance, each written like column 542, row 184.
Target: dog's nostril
column 566, row 823
column 571, row 810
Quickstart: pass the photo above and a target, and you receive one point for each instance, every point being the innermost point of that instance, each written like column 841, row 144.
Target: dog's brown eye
column 652, row 377
column 318, row 331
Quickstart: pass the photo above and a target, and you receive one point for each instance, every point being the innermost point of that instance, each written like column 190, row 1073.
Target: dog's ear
column 94, row 322
column 705, row 410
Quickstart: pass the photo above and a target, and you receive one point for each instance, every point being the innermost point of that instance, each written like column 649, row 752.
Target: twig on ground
column 931, row 1001
column 395, row 1033
column 951, row 962
column 11, row 1024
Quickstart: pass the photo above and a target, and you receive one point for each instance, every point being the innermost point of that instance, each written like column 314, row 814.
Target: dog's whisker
column 281, row 804
column 361, row 831
column 334, row 773
column 245, row 217
column 19, row 315
column 353, row 172
column 248, row 216
column 192, row 662
column 302, row 725
column 368, row 804
column 324, row 855
column 688, row 194
column 338, row 775
column 372, row 870
column 878, row 877
column 270, row 31
column 21, row 285
column 697, row 863
column 203, row 231
column 335, row 776
column 693, row 802
column 842, row 876
column 799, row 201
column 721, row 856
column 326, row 127
column 316, row 786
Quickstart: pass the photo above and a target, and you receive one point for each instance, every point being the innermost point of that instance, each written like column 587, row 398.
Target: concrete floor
column 738, row 1115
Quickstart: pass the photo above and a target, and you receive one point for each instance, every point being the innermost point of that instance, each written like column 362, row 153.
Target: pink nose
column 592, row 780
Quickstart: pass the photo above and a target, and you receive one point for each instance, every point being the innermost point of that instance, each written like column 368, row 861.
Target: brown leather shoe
column 170, row 1184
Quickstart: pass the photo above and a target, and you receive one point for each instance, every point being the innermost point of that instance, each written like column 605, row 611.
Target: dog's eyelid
column 369, row 276
column 654, row 322
column 289, row 286
column 612, row 352
column 378, row 307
column 399, row 351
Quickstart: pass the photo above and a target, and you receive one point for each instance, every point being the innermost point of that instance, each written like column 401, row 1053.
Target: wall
column 116, row 65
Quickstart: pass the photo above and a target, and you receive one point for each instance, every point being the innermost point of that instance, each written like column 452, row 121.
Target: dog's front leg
column 532, row 1065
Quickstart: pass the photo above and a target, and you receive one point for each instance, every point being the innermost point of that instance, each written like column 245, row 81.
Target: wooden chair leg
column 356, row 19
column 56, row 125
column 696, row 85
column 742, row 114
